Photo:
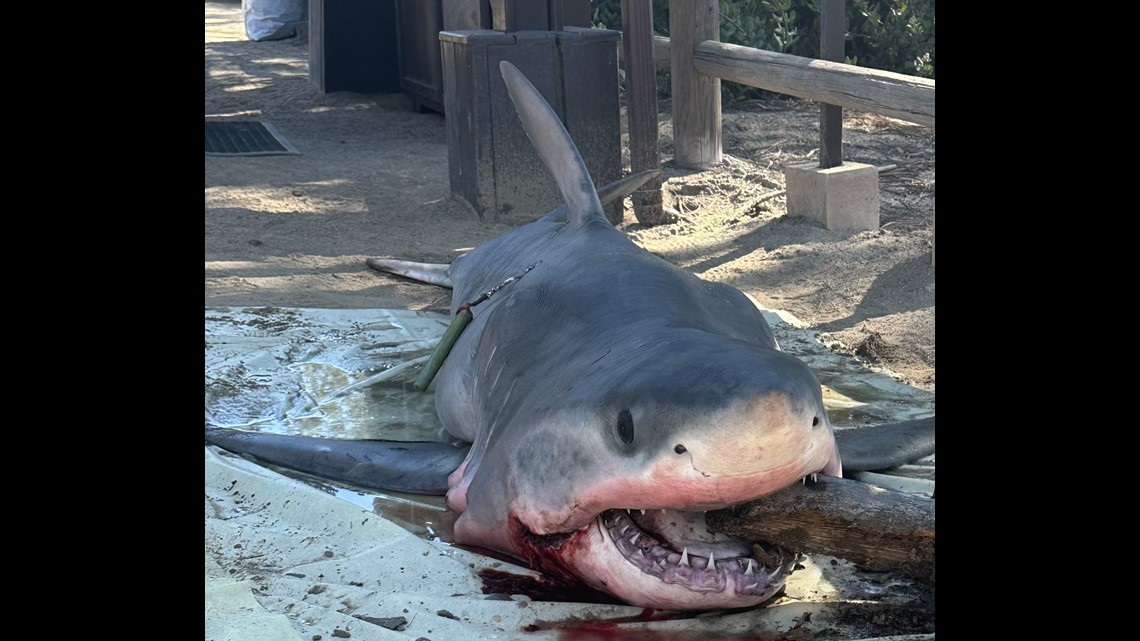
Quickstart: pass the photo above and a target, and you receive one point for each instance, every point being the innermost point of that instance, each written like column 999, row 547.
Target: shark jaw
column 663, row 559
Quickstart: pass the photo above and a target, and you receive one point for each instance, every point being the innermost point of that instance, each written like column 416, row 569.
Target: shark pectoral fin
column 430, row 273
column 416, row 467
column 885, row 446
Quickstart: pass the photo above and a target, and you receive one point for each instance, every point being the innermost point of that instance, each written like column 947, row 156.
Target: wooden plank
column 696, row 94
column 524, row 189
column 493, row 166
column 641, row 96
column 872, row 527
column 541, row 15
column 591, row 107
column 317, row 43
column 421, row 65
column 466, row 15
column 661, row 49
column 891, row 94
column 467, row 76
column 577, row 13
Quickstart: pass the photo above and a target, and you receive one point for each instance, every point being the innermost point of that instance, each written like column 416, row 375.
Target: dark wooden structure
column 445, row 55
column 493, row 166
column 421, row 66
column 551, row 15
column 419, row 23
column 352, row 46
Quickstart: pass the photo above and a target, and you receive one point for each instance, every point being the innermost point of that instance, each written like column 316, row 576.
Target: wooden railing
column 698, row 61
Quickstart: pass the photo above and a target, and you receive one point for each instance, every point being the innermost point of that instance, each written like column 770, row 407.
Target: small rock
column 446, row 614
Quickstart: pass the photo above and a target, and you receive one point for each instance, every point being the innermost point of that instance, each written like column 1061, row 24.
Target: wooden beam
column 876, row 528
column 883, row 92
column 696, row 96
column 891, row 94
column 641, row 95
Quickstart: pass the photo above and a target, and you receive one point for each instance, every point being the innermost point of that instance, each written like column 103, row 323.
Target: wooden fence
column 698, row 61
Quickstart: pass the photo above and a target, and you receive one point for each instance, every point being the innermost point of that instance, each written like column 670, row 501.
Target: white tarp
column 273, row 19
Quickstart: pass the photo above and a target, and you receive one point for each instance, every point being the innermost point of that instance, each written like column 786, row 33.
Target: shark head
column 610, row 486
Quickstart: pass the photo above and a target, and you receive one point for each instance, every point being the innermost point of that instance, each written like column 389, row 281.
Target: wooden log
column 872, row 527
column 696, row 96
column 641, row 94
column 891, row 94
column 883, row 92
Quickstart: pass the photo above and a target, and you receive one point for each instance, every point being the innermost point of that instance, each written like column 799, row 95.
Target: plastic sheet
column 273, row 19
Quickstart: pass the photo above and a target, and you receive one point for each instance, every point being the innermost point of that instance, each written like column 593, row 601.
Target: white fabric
column 273, row 19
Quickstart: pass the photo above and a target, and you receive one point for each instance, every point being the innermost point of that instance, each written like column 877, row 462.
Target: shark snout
column 757, row 448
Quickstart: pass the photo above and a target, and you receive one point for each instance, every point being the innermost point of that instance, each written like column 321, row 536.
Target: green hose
column 462, row 317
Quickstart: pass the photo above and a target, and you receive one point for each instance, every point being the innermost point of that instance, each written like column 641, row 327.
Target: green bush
column 892, row 35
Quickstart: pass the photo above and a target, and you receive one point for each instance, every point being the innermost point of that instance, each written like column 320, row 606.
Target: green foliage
column 892, row 35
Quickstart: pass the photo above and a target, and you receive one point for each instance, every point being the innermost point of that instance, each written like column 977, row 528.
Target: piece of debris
column 392, row 623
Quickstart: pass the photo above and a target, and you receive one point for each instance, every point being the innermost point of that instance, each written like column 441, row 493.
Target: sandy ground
column 372, row 180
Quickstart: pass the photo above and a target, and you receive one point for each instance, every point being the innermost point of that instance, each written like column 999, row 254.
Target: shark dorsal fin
column 554, row 147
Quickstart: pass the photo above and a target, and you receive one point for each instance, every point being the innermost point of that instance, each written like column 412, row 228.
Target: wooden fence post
column 832, row 19
column 641, row 94
column 696, row 97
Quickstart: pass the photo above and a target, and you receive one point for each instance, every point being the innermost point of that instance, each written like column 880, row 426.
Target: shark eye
column 625, row 427
column 815, row 421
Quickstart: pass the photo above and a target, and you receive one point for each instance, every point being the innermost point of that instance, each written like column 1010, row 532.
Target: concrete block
column 843, row 197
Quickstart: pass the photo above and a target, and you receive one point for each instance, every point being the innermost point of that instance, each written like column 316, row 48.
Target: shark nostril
column 680, row 449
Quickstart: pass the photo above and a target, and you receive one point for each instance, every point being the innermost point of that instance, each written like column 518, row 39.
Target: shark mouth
column 660, row 558
column 677, row 548
column 664, row 558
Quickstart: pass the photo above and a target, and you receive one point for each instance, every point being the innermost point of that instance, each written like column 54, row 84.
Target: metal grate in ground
column 245, row 138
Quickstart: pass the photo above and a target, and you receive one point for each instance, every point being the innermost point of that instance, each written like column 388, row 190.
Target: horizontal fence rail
column 887, row 93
